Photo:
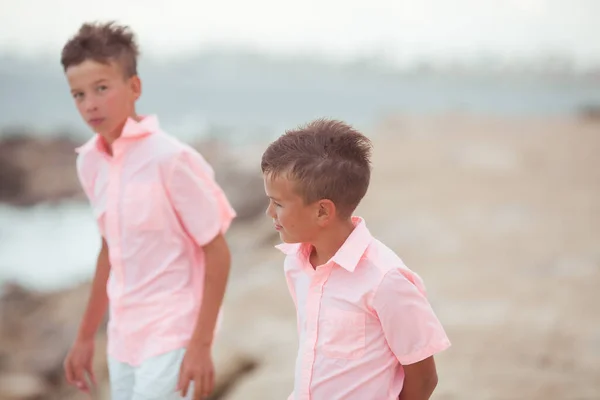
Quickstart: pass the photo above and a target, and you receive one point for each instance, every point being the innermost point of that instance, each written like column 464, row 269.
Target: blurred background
column 485, row 116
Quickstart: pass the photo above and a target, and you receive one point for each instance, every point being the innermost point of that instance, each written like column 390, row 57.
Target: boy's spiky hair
column 103, row 43
column 326, row 159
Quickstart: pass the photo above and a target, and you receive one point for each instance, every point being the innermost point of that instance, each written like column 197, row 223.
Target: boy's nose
column 269, row 211
column 90, row 106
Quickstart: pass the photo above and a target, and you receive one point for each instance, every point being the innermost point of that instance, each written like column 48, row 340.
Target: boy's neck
column 329, row 242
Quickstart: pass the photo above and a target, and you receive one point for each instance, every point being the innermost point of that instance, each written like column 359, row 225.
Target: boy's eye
column 102, row 88
column 77, row 95
column 276, row 204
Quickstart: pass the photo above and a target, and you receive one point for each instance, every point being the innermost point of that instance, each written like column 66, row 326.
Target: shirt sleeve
column 199, row 202
column 410, row 325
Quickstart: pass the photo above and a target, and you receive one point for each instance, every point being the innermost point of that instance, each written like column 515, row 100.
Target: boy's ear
column 326, row 211
column 136, row 86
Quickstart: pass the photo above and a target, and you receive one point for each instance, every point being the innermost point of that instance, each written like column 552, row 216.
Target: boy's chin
column 286, row 239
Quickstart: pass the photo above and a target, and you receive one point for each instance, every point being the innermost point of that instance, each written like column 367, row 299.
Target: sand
column 501, row 218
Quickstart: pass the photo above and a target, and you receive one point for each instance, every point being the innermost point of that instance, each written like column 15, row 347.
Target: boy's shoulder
column 388, row 264
column 165, row 146
column 168, row 151
column 172, row 144
column 382, row 257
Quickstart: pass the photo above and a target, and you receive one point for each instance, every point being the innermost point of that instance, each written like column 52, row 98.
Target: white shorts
column 155, row 379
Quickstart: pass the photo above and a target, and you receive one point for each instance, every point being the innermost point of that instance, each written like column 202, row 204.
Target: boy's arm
column 78, row 362
column 197, row 364
column 98, row 300
column 218, row 261
column 413, row 333
column 420, row 380
column 205, row 215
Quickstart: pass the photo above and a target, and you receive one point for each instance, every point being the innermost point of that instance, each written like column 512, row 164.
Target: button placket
column 114, row 221
column 313, row 308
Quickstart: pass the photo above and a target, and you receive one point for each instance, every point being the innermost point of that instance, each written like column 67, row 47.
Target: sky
column 402, row 30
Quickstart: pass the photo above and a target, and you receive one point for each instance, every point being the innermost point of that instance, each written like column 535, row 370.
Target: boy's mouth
column 278, row 227
column 95, row 121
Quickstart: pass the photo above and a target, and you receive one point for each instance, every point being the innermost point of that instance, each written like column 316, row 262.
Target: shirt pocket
column 343, row 333
column 142, row 207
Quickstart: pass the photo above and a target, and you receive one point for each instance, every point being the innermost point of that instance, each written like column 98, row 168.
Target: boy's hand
column 197, row 367
column 78, row 363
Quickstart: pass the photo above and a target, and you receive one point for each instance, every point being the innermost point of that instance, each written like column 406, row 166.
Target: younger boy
column 366, row 330
column 163, row 264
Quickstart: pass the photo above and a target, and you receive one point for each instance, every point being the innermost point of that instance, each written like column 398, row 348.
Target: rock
column 239, row 177
column 22, row 386
column 245, row 192
column 37, row 169
column 590, row 112
column 42, row 327
column 12, row 180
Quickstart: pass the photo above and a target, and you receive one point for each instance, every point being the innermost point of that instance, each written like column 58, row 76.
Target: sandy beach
column 499, row 216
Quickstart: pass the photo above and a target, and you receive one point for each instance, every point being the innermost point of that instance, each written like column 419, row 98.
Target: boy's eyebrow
column 97, row 81
column 274, row 198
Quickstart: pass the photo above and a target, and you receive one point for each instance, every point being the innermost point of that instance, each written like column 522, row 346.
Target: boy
column 366, row 329
column 163, row 264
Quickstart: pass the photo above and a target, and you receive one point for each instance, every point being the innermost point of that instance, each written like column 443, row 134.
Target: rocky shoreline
column 501, row 217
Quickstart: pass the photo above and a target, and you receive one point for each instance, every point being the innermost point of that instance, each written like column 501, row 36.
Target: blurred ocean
column 241, row 95
column 47, row 247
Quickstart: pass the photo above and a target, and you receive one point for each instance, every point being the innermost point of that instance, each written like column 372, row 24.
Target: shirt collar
column 147, row 125
column 349, row 255
column 132, row 129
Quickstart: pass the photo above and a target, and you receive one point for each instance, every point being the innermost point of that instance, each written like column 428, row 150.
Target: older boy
column 365, row 327
column 163, row 264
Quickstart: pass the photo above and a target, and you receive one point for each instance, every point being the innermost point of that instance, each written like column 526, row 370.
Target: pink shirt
column 361, row 316
column 156, row 203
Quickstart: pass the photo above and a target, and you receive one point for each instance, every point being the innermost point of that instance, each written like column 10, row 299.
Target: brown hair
column 103, row 43
column 327, row 159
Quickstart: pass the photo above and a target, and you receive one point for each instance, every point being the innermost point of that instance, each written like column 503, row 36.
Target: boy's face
column 104, row 97
column 295, row 221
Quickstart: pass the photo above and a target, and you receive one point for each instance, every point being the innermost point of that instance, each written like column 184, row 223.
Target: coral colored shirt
column 360, row 316
column 156, row 203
